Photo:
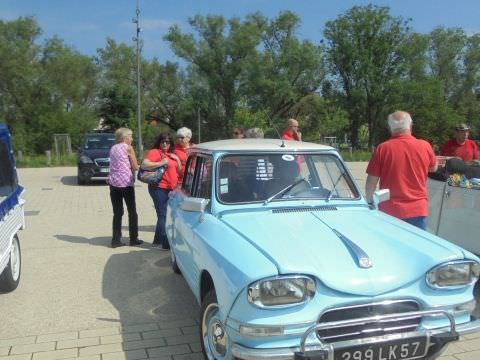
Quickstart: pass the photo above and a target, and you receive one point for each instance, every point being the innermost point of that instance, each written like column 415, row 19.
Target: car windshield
column 99, row 142
column 274, row 177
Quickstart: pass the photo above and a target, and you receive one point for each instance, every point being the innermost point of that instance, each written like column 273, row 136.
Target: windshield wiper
column 330, row 193
column 285, row 190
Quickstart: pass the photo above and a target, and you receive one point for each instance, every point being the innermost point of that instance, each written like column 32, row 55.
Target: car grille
column 104, row 162
column 369, row 329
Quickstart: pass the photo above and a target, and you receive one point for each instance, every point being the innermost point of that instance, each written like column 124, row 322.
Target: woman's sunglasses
column 165, row 142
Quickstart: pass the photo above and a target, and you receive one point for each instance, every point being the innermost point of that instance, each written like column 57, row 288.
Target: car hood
column 316, row 243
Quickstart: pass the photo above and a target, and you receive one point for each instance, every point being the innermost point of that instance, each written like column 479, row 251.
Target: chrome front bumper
column 451, row 332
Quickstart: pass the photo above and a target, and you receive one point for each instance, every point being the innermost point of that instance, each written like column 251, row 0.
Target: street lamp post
column 139, row 111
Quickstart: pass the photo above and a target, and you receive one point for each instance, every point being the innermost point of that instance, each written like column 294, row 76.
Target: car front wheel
column 213, row 335
column 10, row 277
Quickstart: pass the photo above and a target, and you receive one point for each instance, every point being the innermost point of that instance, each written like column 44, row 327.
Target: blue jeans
column 160, row 200
column 419, row 221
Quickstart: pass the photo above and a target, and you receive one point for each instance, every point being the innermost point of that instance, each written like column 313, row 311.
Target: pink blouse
column 121, row 174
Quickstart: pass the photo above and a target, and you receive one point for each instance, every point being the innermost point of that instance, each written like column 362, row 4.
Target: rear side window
column 189, row 174
column 198, row 176
column 8, row 179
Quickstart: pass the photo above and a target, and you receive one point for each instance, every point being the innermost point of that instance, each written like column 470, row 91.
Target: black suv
column 93, row 157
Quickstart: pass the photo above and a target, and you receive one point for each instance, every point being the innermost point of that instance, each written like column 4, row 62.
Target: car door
column 188, row 224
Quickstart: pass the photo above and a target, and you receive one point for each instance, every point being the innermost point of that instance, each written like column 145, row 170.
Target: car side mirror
column 194, row 204
column 380, row 196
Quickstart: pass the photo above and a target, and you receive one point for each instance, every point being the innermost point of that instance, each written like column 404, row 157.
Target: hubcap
column 15, row 260
column 213, row 333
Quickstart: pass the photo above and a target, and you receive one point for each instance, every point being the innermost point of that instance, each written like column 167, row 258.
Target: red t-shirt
column 402, row 164
column 181, row 152
column 466, row 151
column 288, row 135
column 170, row 177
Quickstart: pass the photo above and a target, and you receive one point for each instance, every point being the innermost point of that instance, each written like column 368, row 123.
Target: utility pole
column 139, row 110
column 199, row 124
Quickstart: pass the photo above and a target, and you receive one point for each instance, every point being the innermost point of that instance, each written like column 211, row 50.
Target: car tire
column 10, row 278
column 173, row 258
column 213, row 337
column 80, row 179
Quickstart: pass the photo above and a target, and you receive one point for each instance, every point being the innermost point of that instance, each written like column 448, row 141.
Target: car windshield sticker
column 223, row 185
column 288, row 157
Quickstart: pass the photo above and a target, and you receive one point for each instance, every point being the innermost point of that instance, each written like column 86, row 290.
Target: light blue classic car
column 288, row 261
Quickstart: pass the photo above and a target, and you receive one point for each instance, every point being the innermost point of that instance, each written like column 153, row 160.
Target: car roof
column 259, row 145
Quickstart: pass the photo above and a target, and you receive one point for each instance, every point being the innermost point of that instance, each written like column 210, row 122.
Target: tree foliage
column 254, row 71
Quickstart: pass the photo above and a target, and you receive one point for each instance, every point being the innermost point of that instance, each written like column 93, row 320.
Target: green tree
column 117, row 91
column 19, row 70
column 469, row 97
column 365, row 48
column 286, row 70
column 445, row 55
column 219, row 53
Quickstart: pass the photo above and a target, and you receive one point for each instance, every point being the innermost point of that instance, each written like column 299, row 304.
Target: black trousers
column 117, row 195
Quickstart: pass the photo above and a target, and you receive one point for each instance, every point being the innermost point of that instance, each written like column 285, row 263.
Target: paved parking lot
column 78, row 298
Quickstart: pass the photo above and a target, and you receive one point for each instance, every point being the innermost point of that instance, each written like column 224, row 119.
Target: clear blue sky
column 85, row 24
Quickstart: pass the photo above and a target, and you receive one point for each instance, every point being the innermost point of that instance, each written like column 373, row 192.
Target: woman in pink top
column 123, row 164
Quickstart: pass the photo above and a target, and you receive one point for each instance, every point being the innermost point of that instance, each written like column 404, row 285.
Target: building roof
column 259, row 145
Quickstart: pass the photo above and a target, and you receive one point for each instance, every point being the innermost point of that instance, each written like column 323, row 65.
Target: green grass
column 33, row 161
column 357, row 155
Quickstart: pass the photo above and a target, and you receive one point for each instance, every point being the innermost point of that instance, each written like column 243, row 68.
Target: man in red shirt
column 402, row 164
column 461, row 146
column 292, row 132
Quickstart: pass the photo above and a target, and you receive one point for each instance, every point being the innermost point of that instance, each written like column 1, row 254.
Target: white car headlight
column 85, row 160
column 453, row 274
column 281, row 291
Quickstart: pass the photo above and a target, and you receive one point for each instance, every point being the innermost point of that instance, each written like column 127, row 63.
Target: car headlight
column 85, row 160
column 453, row 274
column 281, row 291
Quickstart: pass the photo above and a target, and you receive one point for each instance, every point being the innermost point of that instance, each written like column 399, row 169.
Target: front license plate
column 402, row 349
column 104, row 170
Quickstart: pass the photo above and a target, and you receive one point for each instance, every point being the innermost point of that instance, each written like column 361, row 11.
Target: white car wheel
column 10, row 277
column 213, row 335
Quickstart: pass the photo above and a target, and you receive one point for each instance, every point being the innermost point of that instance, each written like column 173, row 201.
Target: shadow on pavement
column 146, row 228
column 143, row 288
column 97, row 241
column 72, row 181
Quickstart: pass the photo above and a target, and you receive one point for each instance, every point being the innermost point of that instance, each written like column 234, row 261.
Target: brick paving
column 80, row 299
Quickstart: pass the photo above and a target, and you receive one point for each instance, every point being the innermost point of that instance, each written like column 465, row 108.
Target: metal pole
column 139, row 113
column 199, row 125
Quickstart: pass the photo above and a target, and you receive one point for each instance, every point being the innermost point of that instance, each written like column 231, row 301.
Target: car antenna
column 276, row 130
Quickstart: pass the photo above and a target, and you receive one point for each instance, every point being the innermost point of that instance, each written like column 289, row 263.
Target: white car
column 12, row 217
